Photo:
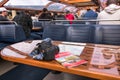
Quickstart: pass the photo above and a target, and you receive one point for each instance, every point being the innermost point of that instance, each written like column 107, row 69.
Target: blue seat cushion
column 11, row 33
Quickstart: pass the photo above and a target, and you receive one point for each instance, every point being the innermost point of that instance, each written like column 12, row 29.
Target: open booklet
column 69, row 60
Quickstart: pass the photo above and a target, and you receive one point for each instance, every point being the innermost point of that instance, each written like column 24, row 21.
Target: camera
column 45, row 50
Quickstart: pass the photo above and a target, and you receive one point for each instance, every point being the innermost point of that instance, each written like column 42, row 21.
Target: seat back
column 55, row 32
column 107, row 34
column 11, row 33
column 80, row 33
column 3, row 44
column 37, row 24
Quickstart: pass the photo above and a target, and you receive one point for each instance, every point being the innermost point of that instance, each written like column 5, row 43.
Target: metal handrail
column 44, row 19
column 8, row 22
column 97, row 20
column 89, row 20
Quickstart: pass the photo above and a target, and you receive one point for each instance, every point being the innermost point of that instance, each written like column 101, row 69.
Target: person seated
column 3, row 14
column 111, row 12
column 24, row 19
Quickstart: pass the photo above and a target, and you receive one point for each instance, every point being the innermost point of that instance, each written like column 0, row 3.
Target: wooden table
column 36, row 28
column 99, row 66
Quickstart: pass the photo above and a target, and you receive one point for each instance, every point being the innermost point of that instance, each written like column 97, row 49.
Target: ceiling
column 2, row 2
column 74, row 1
column 78, row 3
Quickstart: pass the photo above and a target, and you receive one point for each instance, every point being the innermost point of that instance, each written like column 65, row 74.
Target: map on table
column 104, row 60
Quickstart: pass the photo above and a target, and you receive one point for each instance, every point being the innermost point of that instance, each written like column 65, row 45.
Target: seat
column 80, row 33
column 37, row 24
column 44, row 22
column 11, row 33
column 55, row 32
column 2, row 45
column 107, row 34
column 37, row 30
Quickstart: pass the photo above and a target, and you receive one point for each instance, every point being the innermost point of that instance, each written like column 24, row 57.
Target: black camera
column 45, row 50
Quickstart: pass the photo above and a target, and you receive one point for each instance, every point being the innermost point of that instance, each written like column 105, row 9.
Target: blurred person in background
column 90, row 14
column 82, row 12
column 24, row 19
column 111, row 12
column 77, row 14
column 45, row 14
column 69, row 16
column 34, row 17
column 3, row 14
column 59, row 16
column 102, row 4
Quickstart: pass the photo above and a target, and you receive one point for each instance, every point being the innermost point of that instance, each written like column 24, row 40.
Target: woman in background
column 69, row 16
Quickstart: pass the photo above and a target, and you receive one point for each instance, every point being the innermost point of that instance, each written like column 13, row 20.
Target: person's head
column 67, row 12
column 44, row 10
column 18, row 12
column 3, row 11
column 88, row 9
column 111, row 2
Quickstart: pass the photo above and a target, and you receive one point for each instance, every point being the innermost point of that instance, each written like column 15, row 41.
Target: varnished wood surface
column 36, row 28
column 75, row 1
column 82, row 70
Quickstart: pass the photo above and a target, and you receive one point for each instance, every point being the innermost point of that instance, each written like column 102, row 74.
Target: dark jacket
column 2, row 18
column 25, row 21
column 45, row 15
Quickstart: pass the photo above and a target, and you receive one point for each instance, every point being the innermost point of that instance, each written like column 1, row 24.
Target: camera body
column 45, row 50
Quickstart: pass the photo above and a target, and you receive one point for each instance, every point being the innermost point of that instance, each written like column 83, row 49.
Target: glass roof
column 37, row 5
